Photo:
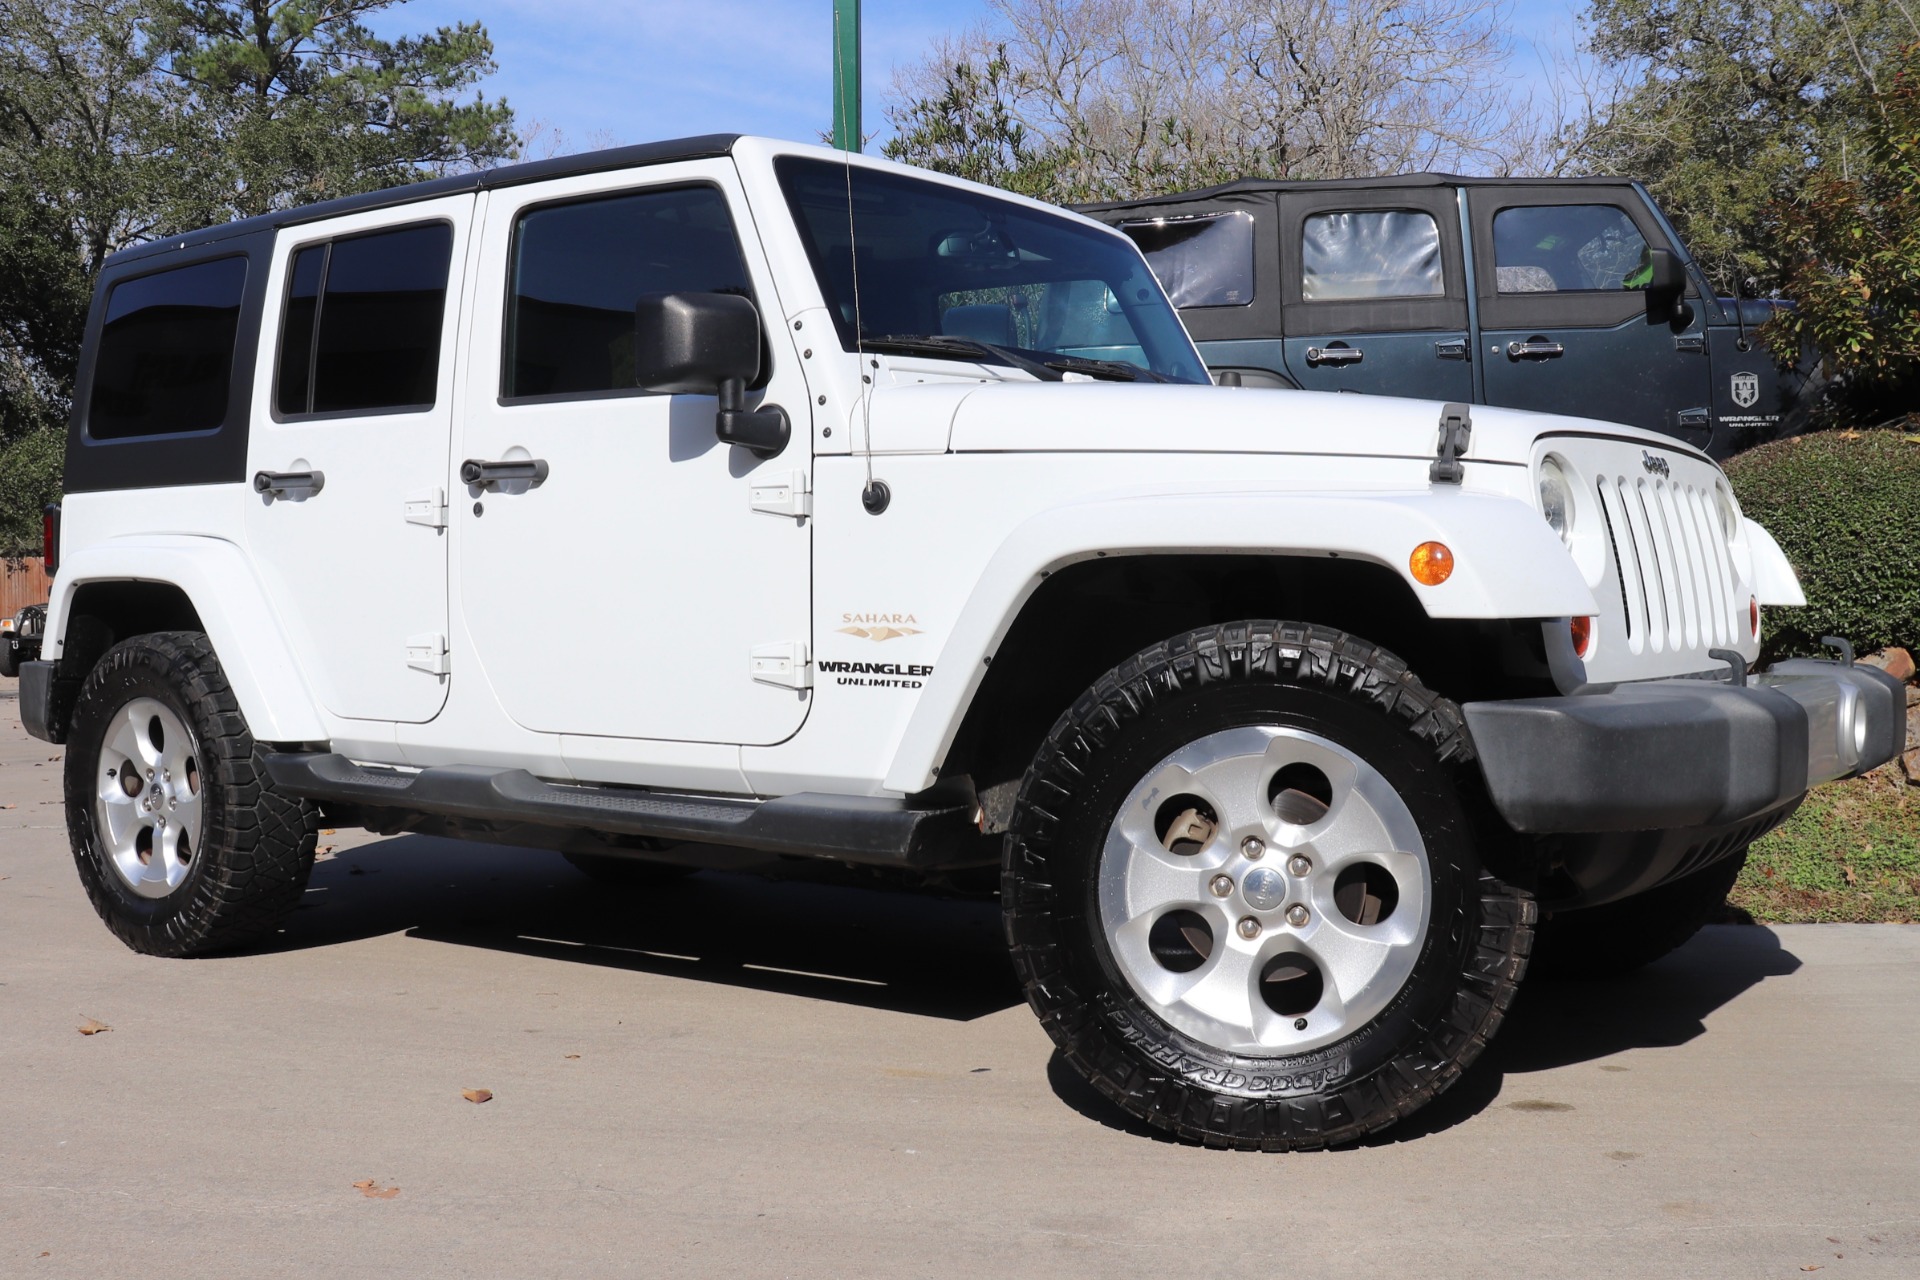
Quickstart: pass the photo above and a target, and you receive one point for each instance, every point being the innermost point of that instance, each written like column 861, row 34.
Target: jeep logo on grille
column 1654, row 465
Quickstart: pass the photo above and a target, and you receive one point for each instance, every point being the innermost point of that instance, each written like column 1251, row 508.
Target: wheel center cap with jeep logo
column 1264, row 888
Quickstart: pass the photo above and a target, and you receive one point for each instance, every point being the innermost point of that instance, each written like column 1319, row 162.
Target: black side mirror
column 708, row 344
column 1667, row 290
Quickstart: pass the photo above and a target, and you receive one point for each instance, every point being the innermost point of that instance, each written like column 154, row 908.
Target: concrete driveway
column 744, row 1078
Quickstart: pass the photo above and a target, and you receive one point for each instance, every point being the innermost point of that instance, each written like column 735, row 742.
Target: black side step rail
column 864, row 829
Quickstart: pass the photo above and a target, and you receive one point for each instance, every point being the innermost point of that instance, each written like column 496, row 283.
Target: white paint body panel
column 599, row 626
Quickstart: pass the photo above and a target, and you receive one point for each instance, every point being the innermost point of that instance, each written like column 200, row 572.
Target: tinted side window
column 1568, row 248
column 577, row 270
column 361, row 330
column 1203, row 261
column 1383, row 253
column 165, row 360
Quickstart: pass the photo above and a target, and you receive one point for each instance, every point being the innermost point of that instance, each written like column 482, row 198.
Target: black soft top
column 704, row 147
column 1244, row 187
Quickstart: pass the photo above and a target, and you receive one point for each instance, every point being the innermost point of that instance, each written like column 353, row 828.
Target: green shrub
column 30, row 470
column 1845, row 507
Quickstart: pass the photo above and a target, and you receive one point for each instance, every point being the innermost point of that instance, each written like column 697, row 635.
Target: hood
column 1013, row 417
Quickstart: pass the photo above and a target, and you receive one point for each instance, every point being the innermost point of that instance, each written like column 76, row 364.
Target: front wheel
column 1243, row 891
column 182, row 843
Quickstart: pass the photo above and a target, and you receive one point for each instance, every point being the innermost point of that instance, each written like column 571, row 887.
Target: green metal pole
column 846, row 74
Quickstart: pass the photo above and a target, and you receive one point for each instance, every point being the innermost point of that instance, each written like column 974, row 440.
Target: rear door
column 1561, row 272
column 1373, row 292
column 353, row 406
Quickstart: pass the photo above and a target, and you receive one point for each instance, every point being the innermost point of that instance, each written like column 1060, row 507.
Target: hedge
column 29, row 479
column 1845, row 507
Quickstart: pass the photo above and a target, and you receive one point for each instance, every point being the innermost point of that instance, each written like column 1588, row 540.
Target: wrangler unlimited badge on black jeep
column 874, row 516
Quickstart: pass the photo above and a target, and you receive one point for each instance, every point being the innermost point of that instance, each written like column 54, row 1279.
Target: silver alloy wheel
column 148, row 801
column 1279, row 962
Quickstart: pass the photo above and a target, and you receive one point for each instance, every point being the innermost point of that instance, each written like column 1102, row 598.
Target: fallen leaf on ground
column 1847, row 871
column 477, row 1095
column 92, row 1028
column 571, row 1055
column 5, row 806
column 327, row 831
column 374, row 1191
column 324, row 851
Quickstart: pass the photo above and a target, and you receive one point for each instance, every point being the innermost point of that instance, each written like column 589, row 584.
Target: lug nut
column 1297, row 915
column 1249, row 928
column 1299, row 864
column 1253, row 847
column 1221, row 886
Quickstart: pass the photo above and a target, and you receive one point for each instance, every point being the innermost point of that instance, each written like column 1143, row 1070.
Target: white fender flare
column 1774, row 581
column 1507, row 564
column 216, row 578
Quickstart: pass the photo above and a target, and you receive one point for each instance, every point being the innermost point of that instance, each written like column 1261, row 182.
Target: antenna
column 846, row 135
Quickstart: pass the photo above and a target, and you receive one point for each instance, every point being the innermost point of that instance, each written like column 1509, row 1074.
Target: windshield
column 990, row 280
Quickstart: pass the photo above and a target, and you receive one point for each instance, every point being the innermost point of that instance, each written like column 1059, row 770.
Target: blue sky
column 604, row 73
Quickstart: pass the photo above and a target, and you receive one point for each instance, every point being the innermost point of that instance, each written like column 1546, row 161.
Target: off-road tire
column 256, row 847
column 1471, row 958
column 628, row 873
column 1620, row 937
column 9, row 660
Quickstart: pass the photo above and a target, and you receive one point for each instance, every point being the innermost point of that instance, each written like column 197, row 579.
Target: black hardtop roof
column 704, row 147
column 1261, row 186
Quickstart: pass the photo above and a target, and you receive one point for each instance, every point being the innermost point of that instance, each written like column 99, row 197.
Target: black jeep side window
column 577, row 270
column 1370, row 253
column 165, row 361
column 361, row 330
column 1564, row 248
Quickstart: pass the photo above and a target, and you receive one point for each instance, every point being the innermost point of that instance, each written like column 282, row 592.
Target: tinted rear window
column 578, row 270
column 361, row 329
column 165, row 360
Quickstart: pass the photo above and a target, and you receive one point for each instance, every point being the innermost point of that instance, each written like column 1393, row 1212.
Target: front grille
column 1676, row 573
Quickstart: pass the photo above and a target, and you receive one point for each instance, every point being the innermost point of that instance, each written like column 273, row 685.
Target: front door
column 1561, row 278
column 1373, row 292
column 353, row 401
column 632, row 590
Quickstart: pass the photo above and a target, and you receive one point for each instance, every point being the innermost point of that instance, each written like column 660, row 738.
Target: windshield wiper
column 1112, row 370
column 947, row 344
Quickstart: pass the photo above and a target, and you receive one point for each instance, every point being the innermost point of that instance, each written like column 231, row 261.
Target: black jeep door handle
column 1534, row 349
column 491, row 475
column 289, row 484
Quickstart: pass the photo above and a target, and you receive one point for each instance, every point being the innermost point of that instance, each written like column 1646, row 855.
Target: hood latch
column 1456, row 426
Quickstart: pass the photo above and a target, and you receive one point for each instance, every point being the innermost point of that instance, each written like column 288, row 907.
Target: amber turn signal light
column 1582, row 631
column 1432, row 563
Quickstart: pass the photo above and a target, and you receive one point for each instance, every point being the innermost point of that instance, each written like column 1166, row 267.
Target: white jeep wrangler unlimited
column 879, row 517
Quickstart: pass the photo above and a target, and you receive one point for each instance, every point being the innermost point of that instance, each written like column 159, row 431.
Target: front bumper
column 1670, row 754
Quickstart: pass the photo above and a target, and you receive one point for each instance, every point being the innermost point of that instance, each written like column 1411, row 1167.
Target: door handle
column 1450, row 349
column 1335, row 355
column 491, row 475
column 289, row 484
column 1534, row 349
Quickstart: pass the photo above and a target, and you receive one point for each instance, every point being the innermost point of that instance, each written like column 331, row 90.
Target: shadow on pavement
column 824, row 935
column 908, row 952
column 1555, row 1024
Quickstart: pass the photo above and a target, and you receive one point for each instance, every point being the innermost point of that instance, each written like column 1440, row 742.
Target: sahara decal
column 879, row 626
column 1746, row 389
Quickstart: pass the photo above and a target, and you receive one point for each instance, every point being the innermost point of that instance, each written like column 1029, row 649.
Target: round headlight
column 1729, row 511
column 1556, row 499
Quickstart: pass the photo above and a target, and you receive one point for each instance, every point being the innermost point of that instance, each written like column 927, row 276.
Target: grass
column 1851, row 853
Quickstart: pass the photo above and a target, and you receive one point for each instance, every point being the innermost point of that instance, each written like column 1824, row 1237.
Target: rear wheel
column 1615, row 939
column 1243, row 891
column 9, row 659
column 182, row 844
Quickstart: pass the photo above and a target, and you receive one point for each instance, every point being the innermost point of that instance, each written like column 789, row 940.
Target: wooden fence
column 22, row 582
